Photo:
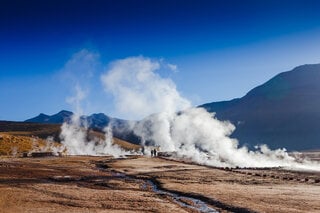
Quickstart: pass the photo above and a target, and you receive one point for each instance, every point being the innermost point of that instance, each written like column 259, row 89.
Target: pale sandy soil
column 255, row 190
column 102, row 184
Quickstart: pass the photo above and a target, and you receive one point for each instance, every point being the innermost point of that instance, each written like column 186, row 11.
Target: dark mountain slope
column 58, row 118
column 283, row 112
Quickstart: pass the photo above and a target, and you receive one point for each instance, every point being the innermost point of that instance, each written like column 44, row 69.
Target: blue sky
column 222, row 48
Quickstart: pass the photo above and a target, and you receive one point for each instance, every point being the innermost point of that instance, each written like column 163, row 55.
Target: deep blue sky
column 222, row 48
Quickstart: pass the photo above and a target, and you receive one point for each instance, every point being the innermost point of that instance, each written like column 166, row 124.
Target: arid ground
column 145, row 184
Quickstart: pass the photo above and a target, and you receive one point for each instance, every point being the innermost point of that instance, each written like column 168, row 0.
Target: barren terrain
column 144, row 184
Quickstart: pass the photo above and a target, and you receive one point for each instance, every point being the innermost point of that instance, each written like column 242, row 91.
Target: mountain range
column 58, row 118
column 96, row 121
column 283, row 112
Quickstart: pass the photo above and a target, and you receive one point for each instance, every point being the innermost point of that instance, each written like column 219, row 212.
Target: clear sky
column 222, row 48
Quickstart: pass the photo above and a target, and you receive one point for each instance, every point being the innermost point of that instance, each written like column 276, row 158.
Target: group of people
column 153, row 152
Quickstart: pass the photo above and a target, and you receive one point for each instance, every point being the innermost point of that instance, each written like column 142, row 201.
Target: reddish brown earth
column 104, row 184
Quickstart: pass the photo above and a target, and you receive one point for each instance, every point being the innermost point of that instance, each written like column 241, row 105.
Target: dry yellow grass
column 15, row 145
column 126, row 145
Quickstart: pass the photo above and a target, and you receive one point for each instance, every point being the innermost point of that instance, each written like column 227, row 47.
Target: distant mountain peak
column 43, row 115
column 305, row 67
column 65, row 112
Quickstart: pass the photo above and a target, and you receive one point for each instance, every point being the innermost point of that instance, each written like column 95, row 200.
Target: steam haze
column 176, row 127
column 167, row 119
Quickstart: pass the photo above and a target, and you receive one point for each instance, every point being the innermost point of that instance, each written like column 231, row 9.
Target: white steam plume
column 190, row 132
column 75, row 139
column 139, row 91
column 74, row 133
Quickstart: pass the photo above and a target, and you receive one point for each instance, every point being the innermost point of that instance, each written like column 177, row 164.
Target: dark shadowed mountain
column 58, row 118
column 283, row 112
column 96, row 121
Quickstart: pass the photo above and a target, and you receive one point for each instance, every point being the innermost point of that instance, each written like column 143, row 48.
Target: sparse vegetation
column 19, row 137
column 16, row 145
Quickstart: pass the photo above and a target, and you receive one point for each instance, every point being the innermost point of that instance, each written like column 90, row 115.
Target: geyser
column 74, row 138
column 168, row 121
column 175, row 126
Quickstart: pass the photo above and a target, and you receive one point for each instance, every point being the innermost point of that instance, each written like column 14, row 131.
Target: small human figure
column 154, row 152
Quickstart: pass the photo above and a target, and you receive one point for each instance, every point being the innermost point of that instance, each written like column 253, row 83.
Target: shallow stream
column 187, row 202
column 183, row 201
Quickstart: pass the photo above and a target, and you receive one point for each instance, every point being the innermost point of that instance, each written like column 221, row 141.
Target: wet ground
column 143, row 184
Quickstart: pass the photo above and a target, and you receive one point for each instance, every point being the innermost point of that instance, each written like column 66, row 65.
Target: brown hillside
column 18, row 137
column 16, row 145
column 31, row 129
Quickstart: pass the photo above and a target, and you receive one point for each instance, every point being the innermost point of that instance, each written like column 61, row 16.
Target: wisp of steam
column 74, row 132
column 75, row 139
